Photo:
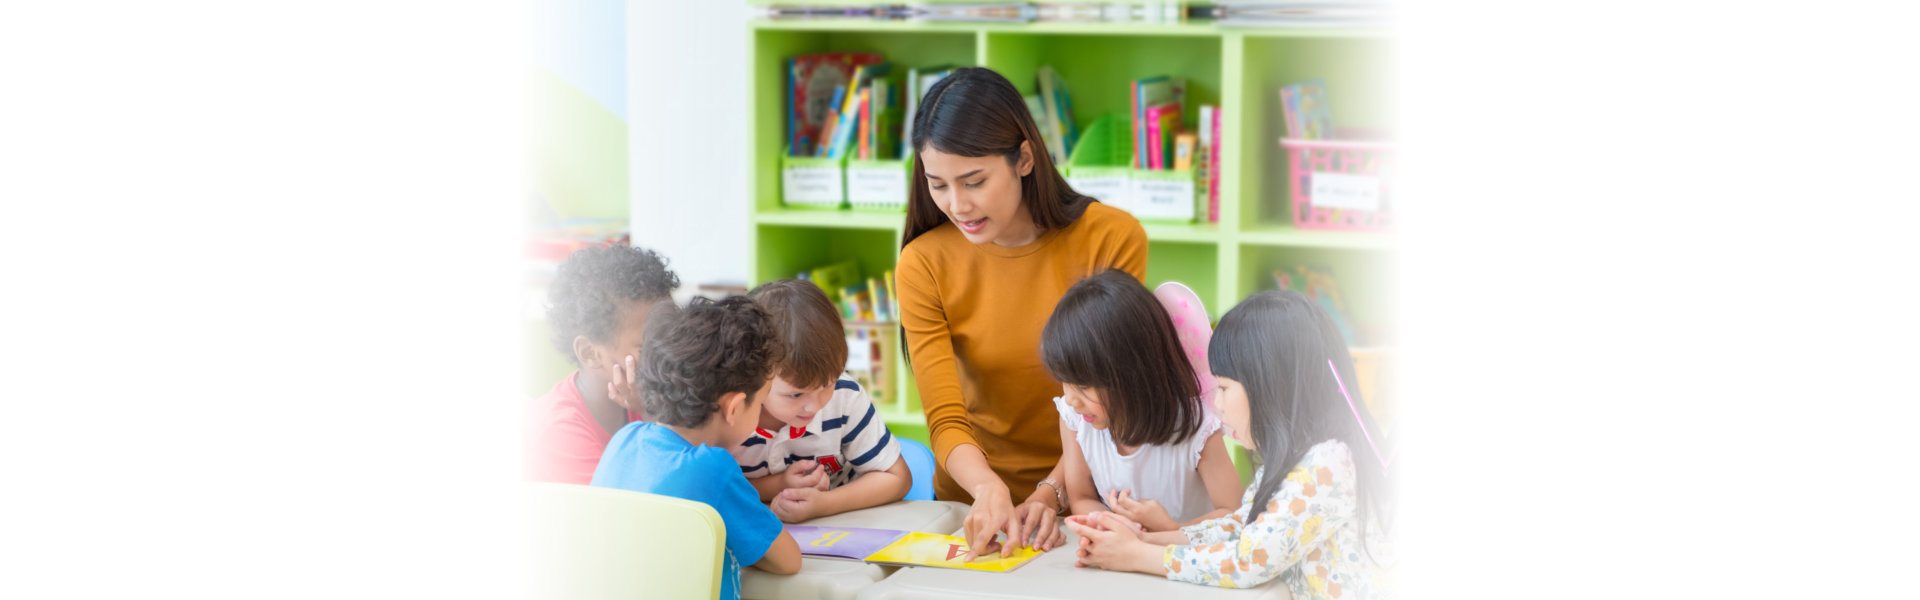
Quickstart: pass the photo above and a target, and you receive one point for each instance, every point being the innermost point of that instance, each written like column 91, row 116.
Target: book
column 879, row 295
column 1183, row 151
column 829, row 125
column 946, row 551
column 844, row 542
column 1305, row 110
column 1213, row 165
column 918, row 82
column 1058, row 106
column 1163, row 122
column 1149, row 92
column 1035, row 107
column 811, row 79
column 866, row 124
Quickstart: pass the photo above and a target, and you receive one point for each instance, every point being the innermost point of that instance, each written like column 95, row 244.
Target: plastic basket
column 1340, row 184
column 813, row 183
column 1097, row 166
column 1101, row 166
column 878, row 185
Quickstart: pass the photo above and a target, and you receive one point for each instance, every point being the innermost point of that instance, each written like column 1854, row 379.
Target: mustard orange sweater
column 973, row 314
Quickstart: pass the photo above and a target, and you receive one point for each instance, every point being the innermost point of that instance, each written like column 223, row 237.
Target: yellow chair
column 589, row 543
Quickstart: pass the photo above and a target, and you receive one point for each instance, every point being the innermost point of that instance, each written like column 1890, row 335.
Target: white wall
column 687, row 135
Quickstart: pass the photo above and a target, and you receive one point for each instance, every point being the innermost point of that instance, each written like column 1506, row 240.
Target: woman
column 994, row 236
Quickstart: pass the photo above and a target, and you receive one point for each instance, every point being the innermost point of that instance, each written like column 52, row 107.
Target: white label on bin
column 1163, row 199
column 1343, row 191
column 1108, row 189
column 859, row 354
column 882, row 185
column 812, row 185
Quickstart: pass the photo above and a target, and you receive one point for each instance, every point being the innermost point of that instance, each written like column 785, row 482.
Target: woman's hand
column 1147, row 513
column 1109, row 542
column 1035, row 521
column 992, row 512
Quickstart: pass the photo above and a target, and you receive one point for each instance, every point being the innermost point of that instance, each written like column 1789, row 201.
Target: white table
column 1051, row 575
column 836, row 578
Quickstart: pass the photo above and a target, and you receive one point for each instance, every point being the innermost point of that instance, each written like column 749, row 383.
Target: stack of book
column 1163, row 142
column 839, row 105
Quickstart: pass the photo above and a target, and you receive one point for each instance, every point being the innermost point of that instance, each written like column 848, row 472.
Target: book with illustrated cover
column 811, row 80
column 946, row 551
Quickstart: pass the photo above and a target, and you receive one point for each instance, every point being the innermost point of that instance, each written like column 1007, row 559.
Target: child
column 1317, row 527
column 703, row 374
column 820, row 448
column 598, row 305
column 1133, row 434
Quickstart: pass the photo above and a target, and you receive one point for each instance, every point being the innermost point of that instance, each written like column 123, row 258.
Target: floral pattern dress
column 1308, row 536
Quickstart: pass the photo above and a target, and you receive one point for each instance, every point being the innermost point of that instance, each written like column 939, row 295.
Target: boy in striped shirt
column 820, row 448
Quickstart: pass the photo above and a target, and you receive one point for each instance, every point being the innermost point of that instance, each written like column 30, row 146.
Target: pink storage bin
column 1363, row 173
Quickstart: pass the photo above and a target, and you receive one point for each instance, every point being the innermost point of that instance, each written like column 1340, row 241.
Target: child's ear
column 585, row 351
column 734, row 406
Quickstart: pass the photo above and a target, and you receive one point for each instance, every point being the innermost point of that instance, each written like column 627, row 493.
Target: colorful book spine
column 866, row 124
column 1154, row 159
column 824, row 144
column 1183, row 151
column 1213, row 167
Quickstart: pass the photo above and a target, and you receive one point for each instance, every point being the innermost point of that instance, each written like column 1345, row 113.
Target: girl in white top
column 1135, row 438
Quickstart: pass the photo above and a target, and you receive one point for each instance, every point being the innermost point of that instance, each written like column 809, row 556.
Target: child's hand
column 1098, row 520
column 1109, row 542
column 794, row 505
column 806, row 474
column 1147, row 513
column 620, row 388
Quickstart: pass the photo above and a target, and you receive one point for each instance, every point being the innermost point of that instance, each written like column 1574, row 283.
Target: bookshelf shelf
column 840, row 219
column 1237, row 69
column 1310, row 238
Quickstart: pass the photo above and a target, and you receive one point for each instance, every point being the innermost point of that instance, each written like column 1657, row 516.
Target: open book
column 886, row 546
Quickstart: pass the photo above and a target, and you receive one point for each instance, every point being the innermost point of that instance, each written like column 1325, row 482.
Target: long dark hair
column 1277, row 344
column 1109, row 333
column 976, row 112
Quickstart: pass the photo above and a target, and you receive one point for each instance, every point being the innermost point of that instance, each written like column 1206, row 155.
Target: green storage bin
column 1097, row 166
column 813, row 183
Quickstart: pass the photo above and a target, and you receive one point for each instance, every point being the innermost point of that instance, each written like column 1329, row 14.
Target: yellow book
column 935, row 550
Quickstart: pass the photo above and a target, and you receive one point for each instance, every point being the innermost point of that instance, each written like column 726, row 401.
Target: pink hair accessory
column 1195, row 331
column 1384, row 459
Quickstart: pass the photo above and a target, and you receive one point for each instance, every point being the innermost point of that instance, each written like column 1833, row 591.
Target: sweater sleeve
column 930, row 345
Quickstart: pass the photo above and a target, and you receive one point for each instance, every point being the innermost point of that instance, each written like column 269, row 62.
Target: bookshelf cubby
column 1240, row 70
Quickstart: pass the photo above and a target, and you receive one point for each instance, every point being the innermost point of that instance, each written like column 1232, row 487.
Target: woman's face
column 1231, row 397
column 981, row 194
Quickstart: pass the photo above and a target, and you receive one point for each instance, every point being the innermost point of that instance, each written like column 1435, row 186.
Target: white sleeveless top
column 1166, row 473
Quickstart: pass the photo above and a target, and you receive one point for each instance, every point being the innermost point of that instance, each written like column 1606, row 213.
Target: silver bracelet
column 1058, row 495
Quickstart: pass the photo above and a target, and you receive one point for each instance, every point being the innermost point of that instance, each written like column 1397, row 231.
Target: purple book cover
column 845, row 542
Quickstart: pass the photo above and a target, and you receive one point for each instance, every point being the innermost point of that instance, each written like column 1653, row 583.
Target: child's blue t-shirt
column 645, row 457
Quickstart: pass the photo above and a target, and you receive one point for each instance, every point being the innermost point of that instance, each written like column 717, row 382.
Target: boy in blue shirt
column 704, row 372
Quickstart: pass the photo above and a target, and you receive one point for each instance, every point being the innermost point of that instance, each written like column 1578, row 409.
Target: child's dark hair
column 693, row 356
column 587, row 293
column 975, row 111
column 1109, row 333
column 1277, row 344
column 813, row 340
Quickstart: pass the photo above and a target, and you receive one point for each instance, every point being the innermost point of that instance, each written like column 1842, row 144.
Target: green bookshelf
column 1239, row 70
